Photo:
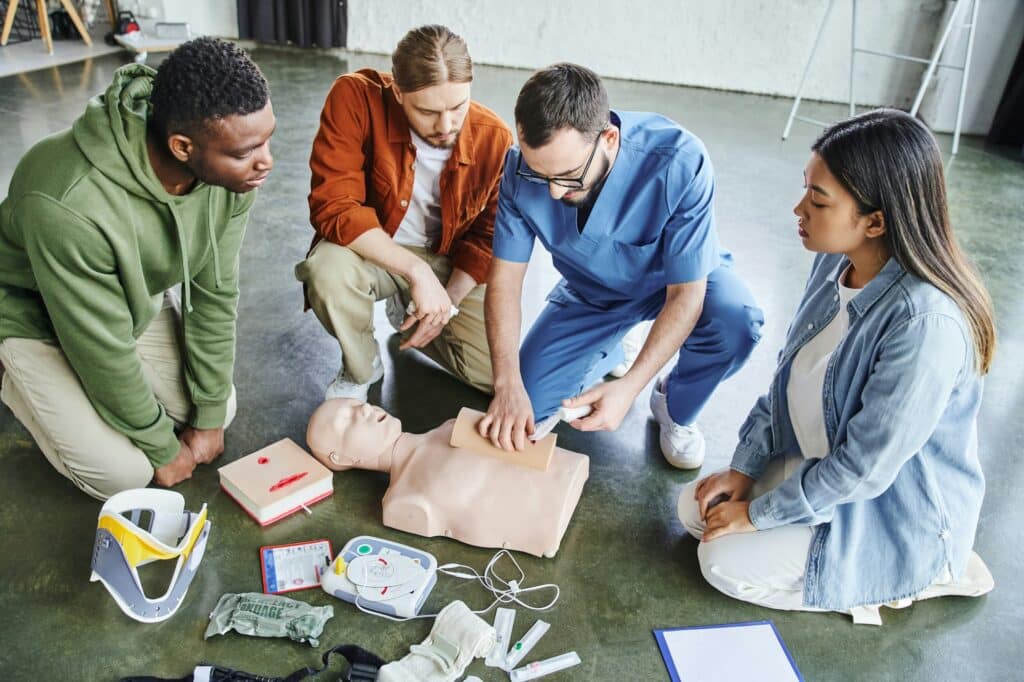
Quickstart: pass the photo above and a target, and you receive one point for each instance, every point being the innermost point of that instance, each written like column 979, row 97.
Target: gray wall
column 757, row 46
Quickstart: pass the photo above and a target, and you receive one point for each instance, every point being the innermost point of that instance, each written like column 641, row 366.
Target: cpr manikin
column 437, row 489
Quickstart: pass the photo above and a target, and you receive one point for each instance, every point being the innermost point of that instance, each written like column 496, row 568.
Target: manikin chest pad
column 140, row 526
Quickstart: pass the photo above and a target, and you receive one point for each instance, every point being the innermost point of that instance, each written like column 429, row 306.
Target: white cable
column 504, row 591
column 493, row 583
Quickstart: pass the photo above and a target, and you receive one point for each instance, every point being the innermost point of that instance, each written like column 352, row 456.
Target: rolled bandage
column 268, row 615
column 458, row 637
column 411, row 310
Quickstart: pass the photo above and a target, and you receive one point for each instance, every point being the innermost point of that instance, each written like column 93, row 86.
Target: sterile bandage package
column 267, row 615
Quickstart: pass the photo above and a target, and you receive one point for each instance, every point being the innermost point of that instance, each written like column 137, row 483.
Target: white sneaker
column 682, row 445
column 344, row 387
column 632, row 342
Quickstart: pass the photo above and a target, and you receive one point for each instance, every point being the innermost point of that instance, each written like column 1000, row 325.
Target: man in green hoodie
column 149, row 189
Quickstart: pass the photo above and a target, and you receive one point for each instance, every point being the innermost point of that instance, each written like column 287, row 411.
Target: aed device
column 380, row 575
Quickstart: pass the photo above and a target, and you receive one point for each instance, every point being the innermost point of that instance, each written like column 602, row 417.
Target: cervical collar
column 125, row 541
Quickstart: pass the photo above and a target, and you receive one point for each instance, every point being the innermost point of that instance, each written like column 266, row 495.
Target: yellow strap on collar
column 140, row 547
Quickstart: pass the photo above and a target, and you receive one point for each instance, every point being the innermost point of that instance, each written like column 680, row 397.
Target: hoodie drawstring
column 183, row 245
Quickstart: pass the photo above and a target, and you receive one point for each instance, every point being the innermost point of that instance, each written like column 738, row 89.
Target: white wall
column 757, row 46
column 997, row 38
column 204, row 17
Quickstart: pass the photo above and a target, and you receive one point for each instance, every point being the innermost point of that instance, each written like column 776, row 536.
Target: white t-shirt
column 807, row 379
column 421, row 225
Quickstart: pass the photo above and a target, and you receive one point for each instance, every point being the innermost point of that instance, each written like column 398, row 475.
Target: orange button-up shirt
column 363, row 168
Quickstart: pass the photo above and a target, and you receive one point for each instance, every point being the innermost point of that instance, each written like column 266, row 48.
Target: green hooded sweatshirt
column 89, row 242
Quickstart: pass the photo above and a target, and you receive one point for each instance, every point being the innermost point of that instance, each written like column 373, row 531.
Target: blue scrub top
column 652, row 224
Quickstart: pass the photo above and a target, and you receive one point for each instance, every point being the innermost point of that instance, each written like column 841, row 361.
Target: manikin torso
column 440, row 490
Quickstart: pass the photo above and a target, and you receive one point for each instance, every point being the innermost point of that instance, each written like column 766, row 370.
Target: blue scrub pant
column 572, row 345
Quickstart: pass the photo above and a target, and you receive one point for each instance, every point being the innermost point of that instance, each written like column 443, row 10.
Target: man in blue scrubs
column 623, row 201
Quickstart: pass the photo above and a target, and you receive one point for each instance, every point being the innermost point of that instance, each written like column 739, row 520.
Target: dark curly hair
column 203, row 80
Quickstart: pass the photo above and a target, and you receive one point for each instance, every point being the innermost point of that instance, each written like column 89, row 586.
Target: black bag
column 61, row 26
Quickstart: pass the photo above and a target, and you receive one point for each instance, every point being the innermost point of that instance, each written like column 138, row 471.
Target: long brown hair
column 889, row 161
column 430, row 55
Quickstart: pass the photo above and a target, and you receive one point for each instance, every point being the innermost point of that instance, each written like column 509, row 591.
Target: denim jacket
column 897, row 499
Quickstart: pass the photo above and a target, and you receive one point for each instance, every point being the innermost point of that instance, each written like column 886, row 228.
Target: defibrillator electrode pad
column 140, row 526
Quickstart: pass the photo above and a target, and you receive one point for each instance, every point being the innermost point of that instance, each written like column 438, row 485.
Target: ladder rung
column 906, row 58
column 812, row 120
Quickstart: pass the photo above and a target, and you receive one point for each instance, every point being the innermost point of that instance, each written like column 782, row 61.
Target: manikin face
column 233, row 152
column 436, row 112
column 566, row 157
column 345, row 433
column 828, row 220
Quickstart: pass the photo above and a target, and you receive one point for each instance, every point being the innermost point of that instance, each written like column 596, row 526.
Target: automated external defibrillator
column 392, row 580
column 381, row 576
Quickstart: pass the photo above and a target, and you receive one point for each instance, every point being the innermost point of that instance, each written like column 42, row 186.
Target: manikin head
column 433, row 73
column 211, row 111
column 565, row 136
column 344, row 433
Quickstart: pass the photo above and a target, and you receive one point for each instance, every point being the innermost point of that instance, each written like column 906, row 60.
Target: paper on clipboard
column 736, row 651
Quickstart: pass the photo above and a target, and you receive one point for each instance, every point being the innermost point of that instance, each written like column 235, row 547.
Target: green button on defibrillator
column 364, row 549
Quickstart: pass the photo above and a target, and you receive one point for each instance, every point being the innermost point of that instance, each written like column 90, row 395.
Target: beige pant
column 342, row 288
column 45, row 395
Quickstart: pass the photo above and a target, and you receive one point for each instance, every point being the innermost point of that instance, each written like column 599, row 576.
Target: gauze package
column 268, row 615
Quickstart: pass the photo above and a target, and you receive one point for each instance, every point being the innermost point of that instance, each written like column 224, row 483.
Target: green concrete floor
column 625, row 565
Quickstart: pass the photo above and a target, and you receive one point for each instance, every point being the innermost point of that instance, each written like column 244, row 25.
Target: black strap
column 362, row 667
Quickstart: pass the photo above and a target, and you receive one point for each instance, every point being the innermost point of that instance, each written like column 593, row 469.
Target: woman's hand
column 727, row 518
column 724, row 486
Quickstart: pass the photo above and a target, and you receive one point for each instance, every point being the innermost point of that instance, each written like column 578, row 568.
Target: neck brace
column 122, row 545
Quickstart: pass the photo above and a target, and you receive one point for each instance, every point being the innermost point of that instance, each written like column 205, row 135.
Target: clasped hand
column 196, row 446
column 723, row 501
column 432, row 311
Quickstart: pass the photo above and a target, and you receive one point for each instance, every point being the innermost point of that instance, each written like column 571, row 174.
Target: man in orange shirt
column 404, row 194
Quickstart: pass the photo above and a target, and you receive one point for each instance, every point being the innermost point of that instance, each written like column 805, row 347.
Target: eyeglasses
column 571, row 183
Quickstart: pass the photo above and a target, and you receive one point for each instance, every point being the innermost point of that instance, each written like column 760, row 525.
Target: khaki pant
column 44, row 393
column 342, row 288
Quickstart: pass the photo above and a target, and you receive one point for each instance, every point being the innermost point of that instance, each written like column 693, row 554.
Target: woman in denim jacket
column 856, row 482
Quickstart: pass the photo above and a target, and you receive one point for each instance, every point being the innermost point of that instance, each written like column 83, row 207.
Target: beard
column 581, row 197
column 448, row 142
column 445, row 142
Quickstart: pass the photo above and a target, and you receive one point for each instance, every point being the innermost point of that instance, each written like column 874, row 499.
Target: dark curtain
column 1008, row 124
column 306, row 23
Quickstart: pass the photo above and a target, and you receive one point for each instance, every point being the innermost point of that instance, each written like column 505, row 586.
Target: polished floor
column 625, row 566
